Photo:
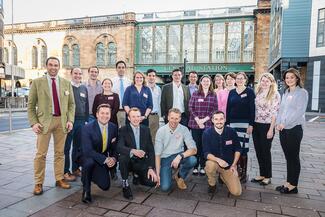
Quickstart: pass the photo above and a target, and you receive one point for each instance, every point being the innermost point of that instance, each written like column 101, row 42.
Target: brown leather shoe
column 180, row 182
column 77, row 173
column 62, row 184
column 69, row 177
column 38, row 189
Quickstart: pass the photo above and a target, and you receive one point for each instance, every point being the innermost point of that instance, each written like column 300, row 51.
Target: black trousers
column 290, row 140
column 92, row 171
column 136, row 165
column 197, row 136
column 262, row 147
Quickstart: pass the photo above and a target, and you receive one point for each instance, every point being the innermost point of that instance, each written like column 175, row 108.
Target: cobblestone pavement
column 16, row 184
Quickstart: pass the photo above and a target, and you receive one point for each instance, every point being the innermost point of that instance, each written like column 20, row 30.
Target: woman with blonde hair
column 290, row 122
column 221, row 92
column 267, row 103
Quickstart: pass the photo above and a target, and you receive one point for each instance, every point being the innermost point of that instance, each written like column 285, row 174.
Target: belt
column 121, row 110
column 154, row 113
column 54, row 115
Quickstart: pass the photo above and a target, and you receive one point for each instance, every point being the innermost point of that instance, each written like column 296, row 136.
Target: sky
column 41, row 10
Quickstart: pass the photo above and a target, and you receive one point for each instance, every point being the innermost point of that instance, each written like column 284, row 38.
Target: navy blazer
column 126, row 142
column 92, row 142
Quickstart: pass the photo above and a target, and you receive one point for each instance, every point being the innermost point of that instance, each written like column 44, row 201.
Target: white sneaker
column 202, row 172
column 195, row 172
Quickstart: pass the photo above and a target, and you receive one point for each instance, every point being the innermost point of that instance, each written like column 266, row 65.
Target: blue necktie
column 121, row 90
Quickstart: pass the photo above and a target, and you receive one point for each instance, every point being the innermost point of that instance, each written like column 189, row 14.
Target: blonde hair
column 273, row 88
column 222, row 78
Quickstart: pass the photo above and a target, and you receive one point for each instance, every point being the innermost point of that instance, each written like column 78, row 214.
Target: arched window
column 111, row 53
column 43, row 56
column 66, row 56
column 100, row 54
column 14, row 54
column 5, row 55
column 75, row 55
column 34, row 57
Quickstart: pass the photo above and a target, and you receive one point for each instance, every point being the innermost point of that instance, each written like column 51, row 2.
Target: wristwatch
column 182, row 155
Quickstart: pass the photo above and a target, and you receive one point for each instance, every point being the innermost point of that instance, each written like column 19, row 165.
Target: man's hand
column 222, row 163
column 280, row 127
column 152, row 175
column 37, row 128
column 176, row 161
column 110, row 162
column 233, row 169
column 158, row 181
column 138, row 153
column 69, row 126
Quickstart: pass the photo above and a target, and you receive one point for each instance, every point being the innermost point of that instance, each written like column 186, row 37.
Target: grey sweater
column 292, row 108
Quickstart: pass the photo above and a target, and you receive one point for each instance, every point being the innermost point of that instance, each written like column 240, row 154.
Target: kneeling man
column 99, row 151
column 136, row 153
column 222, row 149
column 169, row 150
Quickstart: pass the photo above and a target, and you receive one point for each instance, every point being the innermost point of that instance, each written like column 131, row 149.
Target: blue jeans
column 75, row 136
column 166, row 170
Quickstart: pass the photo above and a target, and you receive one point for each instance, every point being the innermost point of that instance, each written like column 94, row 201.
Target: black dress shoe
column 286, row 190
column 278, row 188
column 254, row 180
column 127, row 193
column 212, row 189
column 113, row 175
column 86, row 197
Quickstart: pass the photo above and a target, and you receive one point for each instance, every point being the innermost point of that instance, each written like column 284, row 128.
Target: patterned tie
column 121, row 90
column 104, row 137
column 57, row 111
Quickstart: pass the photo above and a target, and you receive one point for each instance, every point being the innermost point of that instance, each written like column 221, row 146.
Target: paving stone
column 159, row 212
column 322, row 214
column 112, row 192
column 191, row 195
column 96, row 210
column 138, row 196
column 7, row 212
column 7, row 200
column 137, row 209
column 218, row 210
column 112, row 213
column 65, row 204
column 248, row 195
column 56, row 211
column 299, row 212
column 166, row 202
column 107, row 203
column 266, row 214
column 258, row 206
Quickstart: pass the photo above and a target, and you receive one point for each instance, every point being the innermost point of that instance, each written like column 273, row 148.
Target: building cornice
column 262, row 11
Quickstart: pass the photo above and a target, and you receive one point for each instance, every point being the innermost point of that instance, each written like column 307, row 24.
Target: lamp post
column 11, row 99
column 184, row 67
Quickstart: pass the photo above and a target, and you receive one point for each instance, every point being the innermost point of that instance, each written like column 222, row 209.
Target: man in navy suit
column 99, row 154
column 136, row 153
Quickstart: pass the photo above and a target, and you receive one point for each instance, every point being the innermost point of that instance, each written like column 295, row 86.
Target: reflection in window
column 189, row 41
column 75, row 55
column 174, row 44
column 234, row 41
column 248, row 41
column 43, row 56
column 100, row 54
column 34, row 57
column 146, row 44
column 66, row 56
column 160, row 44
column 320, row 42
column 203, row 39
column 218, row 43
column 111, row 53
column 5, row 55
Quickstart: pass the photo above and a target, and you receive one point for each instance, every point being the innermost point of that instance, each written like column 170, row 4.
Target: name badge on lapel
column 229, row 142
column 83, row 95
column 110, row 98
column 145, row 95
column 113, row 140
column 243, row 95
column 200, row 100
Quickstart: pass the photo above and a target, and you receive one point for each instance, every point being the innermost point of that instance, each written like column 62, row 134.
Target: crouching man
column 169, row 151
column 222, row 149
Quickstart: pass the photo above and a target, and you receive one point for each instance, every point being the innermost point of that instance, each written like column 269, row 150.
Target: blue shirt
column 142, row 100
column 221, row 146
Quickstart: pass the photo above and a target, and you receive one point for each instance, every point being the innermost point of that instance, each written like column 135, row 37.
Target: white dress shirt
column 116, row 86
column 178, row 97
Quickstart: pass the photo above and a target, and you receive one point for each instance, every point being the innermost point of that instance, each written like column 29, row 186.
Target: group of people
column 114, row 123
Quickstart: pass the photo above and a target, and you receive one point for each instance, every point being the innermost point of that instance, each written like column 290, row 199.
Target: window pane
column 34, row 57
column 5, row 55
column 160, row 44
column 189, row 41
column 146, row 45
column 321, row 14
column 100, row 54
column 66, row 55
column 218, row 43
column 234, row 39
column 111, row 53
column 174, row 41
column 248, row 41
column 203, row 39
column 14, row 51
column 321, row 29
column 43, row 56
column 75, row 55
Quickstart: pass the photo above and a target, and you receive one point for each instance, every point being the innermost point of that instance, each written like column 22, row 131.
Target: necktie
column 121, row 90
column 104, row 136
column 137, row 138
column 57, row 111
